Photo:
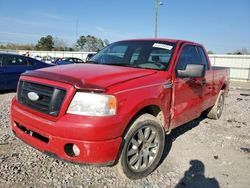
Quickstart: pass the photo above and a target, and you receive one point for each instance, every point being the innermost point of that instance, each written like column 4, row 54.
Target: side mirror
column 192, row 71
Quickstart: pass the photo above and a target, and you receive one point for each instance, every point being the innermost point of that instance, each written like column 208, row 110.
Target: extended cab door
column 208, row 81
column 14, row 66
column 188, row 92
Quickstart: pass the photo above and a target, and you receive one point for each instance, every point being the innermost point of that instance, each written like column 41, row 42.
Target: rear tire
column 143, row 147
column 216, row 111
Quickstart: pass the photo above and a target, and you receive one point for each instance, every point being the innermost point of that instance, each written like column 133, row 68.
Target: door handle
column 203, row 81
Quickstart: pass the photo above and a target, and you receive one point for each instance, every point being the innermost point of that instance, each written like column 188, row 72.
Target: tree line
column 242, row 51
column 84, row 43
column 48, row 43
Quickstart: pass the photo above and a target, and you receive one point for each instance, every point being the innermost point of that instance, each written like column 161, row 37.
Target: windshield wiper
column 129, row 65
column 92, row 62
column 119, row 64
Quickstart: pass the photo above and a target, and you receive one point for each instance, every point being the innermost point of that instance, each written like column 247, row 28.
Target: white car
column 48, row 59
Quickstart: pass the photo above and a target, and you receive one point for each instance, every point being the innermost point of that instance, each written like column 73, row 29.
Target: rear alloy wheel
column 143, row 148
column 220, row 106
column 216, row 111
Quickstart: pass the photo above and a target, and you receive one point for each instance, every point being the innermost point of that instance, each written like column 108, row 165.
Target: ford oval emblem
column 33, row 96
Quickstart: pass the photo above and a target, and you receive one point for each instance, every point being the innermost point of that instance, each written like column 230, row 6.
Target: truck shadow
column 175, row 133
column 194, row 177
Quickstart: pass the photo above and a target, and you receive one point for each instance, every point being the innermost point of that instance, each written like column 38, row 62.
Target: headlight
column 92, row 104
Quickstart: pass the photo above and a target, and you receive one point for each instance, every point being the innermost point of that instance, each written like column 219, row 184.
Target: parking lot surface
column 201, row 153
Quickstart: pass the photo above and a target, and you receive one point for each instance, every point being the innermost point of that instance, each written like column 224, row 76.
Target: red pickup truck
column 116, row 108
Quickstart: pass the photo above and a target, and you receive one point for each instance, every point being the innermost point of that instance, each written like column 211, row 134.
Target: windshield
column 140, row 54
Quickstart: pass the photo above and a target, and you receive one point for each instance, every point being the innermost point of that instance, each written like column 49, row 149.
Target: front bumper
column 52, row 136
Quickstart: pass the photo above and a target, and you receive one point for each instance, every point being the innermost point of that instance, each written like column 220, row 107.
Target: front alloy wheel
column 143, row 147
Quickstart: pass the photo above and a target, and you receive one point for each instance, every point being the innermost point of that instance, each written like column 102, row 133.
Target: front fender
column 135, row 99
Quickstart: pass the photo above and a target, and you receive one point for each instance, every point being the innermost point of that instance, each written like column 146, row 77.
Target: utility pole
column 156, row 16
column 157, row 3
column 76, row 28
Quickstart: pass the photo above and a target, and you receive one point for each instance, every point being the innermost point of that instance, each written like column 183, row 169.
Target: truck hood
column 91, row 77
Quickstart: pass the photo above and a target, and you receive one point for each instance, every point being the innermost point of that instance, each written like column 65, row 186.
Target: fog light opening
column 72, row 150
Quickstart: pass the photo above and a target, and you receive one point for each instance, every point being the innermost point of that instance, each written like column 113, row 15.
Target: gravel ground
column 203, row 153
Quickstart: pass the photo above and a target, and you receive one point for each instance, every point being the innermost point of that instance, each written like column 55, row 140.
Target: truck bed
column 220, row 68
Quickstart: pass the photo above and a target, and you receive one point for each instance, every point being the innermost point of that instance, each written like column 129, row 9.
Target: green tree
column 13, row 46
column 210, row 52
column 243, row 51
column 80, row 43
column 90, row 43
column 59, row 44
column 45, row 43
column 106, row 42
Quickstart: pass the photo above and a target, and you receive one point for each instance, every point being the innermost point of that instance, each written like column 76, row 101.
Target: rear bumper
column 51, row 137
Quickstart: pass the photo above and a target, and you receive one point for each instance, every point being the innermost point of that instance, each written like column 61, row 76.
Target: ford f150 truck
column 117, row 108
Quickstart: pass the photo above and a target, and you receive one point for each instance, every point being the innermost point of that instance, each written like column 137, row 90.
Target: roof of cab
column 162, row 39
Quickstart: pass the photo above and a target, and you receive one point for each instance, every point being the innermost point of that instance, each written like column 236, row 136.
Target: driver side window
column 189, row 55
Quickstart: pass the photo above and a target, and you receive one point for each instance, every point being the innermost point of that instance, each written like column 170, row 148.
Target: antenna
column 76, row 28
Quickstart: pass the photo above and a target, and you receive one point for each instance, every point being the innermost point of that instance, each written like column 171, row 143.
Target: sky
column 220, row 25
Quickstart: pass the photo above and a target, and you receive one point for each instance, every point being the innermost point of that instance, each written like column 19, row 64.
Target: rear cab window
column 203, row 57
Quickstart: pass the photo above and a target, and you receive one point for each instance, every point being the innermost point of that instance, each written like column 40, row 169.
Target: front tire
column 143, row 147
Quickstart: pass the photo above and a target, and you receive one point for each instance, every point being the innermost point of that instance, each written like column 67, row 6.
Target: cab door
column 188, row 92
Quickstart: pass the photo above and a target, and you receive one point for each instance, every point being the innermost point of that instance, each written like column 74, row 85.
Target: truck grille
column 43, row 98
